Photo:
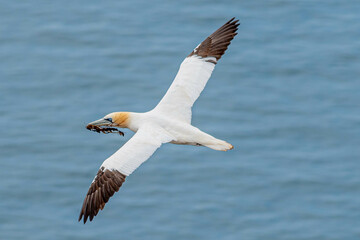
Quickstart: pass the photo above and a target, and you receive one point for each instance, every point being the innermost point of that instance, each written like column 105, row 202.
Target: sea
column 286, row 94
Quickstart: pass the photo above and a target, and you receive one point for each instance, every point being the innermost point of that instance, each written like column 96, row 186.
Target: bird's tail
column 219, row 145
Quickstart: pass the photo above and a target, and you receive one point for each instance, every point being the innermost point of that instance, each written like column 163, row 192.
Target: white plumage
column 137, row 150
column 189, row 82
column 169, row 121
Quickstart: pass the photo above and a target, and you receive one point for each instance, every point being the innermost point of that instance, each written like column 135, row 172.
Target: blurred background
column 286, row 95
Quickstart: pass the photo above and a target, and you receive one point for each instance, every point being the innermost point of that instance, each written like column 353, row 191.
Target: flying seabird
column 168, row 122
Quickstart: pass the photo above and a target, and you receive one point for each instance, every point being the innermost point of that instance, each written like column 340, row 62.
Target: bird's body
column 168, row 122
column 180, row 132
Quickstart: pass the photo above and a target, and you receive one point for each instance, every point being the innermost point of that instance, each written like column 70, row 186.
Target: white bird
column 168, row 122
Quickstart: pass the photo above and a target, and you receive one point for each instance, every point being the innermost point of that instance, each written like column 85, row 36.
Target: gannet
column 168, row 122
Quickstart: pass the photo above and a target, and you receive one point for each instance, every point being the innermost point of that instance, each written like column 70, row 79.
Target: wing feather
column 195, row 71
column 116, row 168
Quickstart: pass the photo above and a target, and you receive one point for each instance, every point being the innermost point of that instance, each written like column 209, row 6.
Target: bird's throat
column 121, row 119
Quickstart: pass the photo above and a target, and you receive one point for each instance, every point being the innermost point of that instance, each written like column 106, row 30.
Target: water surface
column 286, row 95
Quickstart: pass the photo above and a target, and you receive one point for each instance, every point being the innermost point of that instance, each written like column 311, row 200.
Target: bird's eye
column 108, row 119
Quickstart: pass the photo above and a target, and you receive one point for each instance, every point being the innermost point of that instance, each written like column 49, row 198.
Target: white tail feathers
column 220, row 145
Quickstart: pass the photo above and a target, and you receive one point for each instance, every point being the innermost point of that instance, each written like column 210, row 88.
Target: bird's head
column 115, row 119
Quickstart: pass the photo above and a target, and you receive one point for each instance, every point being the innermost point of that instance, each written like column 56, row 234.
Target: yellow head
column 115, row 119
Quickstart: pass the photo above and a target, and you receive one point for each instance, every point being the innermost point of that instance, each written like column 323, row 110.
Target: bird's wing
column 117, row 167
column 195, row 71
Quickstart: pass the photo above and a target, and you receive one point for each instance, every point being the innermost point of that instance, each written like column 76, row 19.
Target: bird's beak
column 100, row 122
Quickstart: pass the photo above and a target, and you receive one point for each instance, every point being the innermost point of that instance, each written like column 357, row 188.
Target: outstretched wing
column 117, row 167
column 195, row 71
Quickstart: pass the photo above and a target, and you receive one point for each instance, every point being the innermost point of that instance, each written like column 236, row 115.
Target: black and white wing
column 195, row 71
column 117, row 167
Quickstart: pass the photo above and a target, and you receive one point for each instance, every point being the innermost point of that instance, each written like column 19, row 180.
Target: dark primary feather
column 106, row 183
column 216, row 44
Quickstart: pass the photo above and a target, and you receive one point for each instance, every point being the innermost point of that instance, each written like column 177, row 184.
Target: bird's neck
column 122, row 119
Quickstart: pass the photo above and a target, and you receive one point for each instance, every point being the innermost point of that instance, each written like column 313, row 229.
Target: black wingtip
column 231, row 20
column 105, row 184
column 217, row 43
column 84, row 220
column 236, row 22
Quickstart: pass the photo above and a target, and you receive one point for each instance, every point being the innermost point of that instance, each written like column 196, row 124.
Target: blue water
column 286, row 95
